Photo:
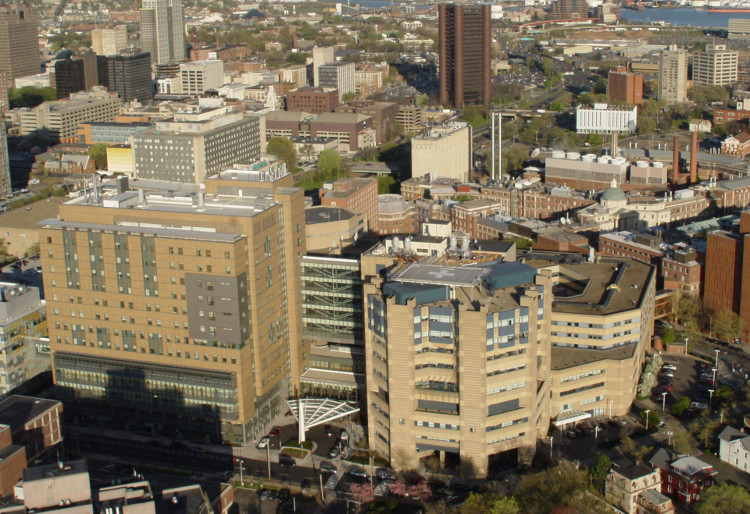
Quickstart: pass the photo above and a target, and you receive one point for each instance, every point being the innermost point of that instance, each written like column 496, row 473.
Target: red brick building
column 396, row 216
column 383, row 115
column 724, row 263
column 727, row 115
column 682, row 272
column 624, row 87
column 464, row 216
column 738, row 145
column 354, row 194
column 316, row 100
column 12, row 461
column 683, row 478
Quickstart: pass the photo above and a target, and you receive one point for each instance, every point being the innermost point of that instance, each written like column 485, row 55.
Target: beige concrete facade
column 483, row 364
column 443, row 152
column 179, row 289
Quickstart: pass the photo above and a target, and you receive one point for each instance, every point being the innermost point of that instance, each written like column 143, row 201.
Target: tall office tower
column 163, row 30
column 715, row 66
column 570, row 9
column 321, row 55
column 109, row 41
column 472, row 363
column 19, row 46
column 129, row 75
column 673, row 75
column 624, row 87
column 195, row 144
column 179, row 312
column 464, row 52
column 338, row 75
column 197, row 77
column 77, row 73
column 5, row 181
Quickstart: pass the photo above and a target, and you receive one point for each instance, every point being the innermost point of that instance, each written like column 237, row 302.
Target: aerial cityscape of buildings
column 288, row 256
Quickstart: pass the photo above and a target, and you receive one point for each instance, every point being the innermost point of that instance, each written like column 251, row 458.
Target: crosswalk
column 331, row 482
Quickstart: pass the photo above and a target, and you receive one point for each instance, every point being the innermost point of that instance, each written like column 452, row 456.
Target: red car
column 275, row 431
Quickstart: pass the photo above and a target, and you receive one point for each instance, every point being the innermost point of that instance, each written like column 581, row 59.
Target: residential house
column 635, row 489
column 734, row 448
column 700, row 126
column 683, row 477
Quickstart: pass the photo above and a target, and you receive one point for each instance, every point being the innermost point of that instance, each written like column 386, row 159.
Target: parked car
column 334, row 452
column 275, row 432
column 264, row 441
column 328, row 467
column 385, row 474
column 357, row 472
column 668, row 373
column 669, row 366
column 698, row 405
column 265, row 494
column 286, row 460
column 344, row 436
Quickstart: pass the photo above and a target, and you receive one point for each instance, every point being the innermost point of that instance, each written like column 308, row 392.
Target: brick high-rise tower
column 464, row 50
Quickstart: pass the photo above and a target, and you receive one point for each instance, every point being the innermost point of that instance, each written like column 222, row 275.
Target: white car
column 671, row 367
column 263, row 442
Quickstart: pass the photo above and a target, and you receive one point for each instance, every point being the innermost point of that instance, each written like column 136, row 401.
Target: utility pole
column 268, row 458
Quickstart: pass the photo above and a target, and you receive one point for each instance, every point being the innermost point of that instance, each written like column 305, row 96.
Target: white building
column 602, row 119
column 321, row 55
column 716, row 66
column 734, row 448
column 197, row 77
column 338, row 75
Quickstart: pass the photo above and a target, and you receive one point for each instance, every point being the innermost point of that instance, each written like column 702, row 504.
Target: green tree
column 636, row 451
column 653, row 417
column 552, row 488
column 385, row 183
column 599, row 472
column 488, row 503
column 329, row 162
column 594, row 139
column 680, row 406
column 681, row 443
column 722, row 498
column 30, row 96
column 348, row 96
column 645, row 126
column 727, row 325
column 98, row 152
column 668, row 337
column 283, row 148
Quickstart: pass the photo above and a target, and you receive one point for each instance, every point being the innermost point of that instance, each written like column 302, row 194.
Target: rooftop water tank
column 558, row 154
column 641, row 164
column 657, row 164
column 604, row 159
column 589, row 157
column 572, row 156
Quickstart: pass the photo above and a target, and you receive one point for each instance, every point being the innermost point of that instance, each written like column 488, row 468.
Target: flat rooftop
column 18, row 410
column 55, row 470
column 607, row 286
column 321, row 214
column 442, row 275
column 566, row 357
column 27, row 217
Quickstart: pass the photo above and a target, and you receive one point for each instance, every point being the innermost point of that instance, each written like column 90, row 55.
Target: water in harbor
column 682, row 17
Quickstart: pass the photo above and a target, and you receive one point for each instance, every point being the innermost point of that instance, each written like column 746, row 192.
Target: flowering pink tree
column 421, row 491
column 363, row 493
column 397, row 488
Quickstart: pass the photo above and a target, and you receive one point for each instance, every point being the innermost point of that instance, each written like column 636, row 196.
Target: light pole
column 610, row 408
column 717, row 352
column 596, row 434
column 268, row 458
column 710, row 398
column 647, row 411
column 551, row 442
column 686, row 345
column 663, row 401
column 710, row 331
column 669, row 437
column 713, row 370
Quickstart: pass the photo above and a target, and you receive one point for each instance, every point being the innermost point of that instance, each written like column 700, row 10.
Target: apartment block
column 723, row 276
column 62, row 117
column 19, row 45
column 162, row 26
column 396, row 215
column 624, row 87
column 76, row 73
column 177, row 312
column 109, row 41
column 673, row 75
column 296, row 75
column 715, row 66
column 383, row 115
column 129, row 75
column 316, row 100
column 470, row 363
column 337, row 75
column 196, row 143
column 443, row 151
column 321, row 55
column 354, row 194
column 351, row 131
column 23, row 332
column 464, row 49
column 197, row 77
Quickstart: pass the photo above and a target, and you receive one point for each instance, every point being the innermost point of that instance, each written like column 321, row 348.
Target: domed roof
column 613, row 194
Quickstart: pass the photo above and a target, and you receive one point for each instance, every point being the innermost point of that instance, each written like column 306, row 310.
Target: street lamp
column 647, row 411
column 686, row 345
column 713, row 370
column 596, row 434
column 716, row 352
column 710, row 397
column 663, row 401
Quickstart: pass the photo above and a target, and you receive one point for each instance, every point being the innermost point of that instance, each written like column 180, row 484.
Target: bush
column 680, row 406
